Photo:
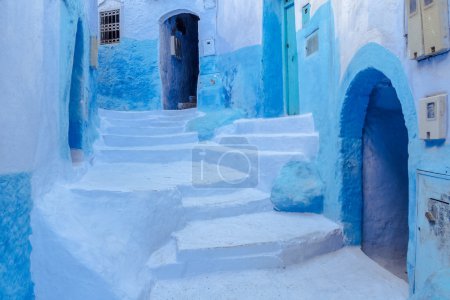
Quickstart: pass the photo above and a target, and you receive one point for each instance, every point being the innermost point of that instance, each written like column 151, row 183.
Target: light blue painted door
column 291, row 94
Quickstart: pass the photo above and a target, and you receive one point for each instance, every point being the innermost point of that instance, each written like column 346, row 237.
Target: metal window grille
column 110, row 27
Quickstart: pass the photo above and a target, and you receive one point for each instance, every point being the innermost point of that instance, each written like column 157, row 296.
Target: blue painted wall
column 78, row 84
column 233, row 80
column 370, row 66
column 319, row 72
column 272, row 59
column 76, row 122
column 15, row 229
column 339, row 103
column 129, row 76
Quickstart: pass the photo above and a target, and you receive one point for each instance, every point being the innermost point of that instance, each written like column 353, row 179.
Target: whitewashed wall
column 239, row 24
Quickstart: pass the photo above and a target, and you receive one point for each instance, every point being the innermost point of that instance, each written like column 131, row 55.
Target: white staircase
column 277, row 141
column 143, row 157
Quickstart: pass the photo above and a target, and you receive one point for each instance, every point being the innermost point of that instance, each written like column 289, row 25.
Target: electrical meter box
column 415, row 37
column 428, row 28
column 435, row 26
column 433, row 118
column 433, row 225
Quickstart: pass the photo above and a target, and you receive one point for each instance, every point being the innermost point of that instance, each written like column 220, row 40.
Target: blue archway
column 371, row 66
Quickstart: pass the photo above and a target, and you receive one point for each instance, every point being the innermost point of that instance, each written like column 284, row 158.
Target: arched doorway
column 76, row 97
column 179, row 61
column 375, row 169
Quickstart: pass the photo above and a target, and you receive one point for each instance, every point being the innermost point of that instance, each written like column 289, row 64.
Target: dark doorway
column 179, row 60
column 385, row 180
column 76, row 94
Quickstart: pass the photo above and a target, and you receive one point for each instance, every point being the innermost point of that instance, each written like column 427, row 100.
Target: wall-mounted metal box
column 428, row 28
column 433, row 226
column 415, row 36
column 435, row 26
column 433, row 118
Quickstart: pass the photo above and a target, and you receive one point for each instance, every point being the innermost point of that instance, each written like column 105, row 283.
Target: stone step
column 345, row 274
column 143, row 131
column 307, row 143
column 255, row 241
column 262, row 167
column 114, row 114
column 157, row 154
column 293, row 124
column 237, row 202
column 156, row 122
column 144, row 141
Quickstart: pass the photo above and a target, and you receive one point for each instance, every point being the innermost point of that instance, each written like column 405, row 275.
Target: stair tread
column 270, row 134
column 158, row 136
column 260, row 228
column 240, row 196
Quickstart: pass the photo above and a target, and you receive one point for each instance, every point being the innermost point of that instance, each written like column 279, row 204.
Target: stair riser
column 305, row 144
column 209, row 213
column 196, row 268
column 130, row 141
column 144, row 156
column 267, row 167
column 313, row 248
column 304, row 124
column 142, row 123
column 266, row 256
column 147, row 114
column 144, row 131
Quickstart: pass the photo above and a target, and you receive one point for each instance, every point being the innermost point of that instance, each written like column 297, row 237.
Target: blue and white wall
column 129, row 73
column 360, row 44
column 36, row 69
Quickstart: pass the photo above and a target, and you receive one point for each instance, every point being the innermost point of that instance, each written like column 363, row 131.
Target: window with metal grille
column 110, row 27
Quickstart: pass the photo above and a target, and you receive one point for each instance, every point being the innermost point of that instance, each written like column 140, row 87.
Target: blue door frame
column 290, row 59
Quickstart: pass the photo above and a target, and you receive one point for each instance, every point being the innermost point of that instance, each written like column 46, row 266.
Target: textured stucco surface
column 298, row 188
column 129, row 75
column 385, row 181
column 15, row 229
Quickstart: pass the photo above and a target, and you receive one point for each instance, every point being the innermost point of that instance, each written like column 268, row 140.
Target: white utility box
column 433, row 118
column 435, row 26
column 428, row 28
column 415, row 36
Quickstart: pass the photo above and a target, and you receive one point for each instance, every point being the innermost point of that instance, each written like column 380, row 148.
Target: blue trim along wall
column 15, row 229
column 129, row 76
column 272, row 58
column 76, row 92
column 78, row 84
